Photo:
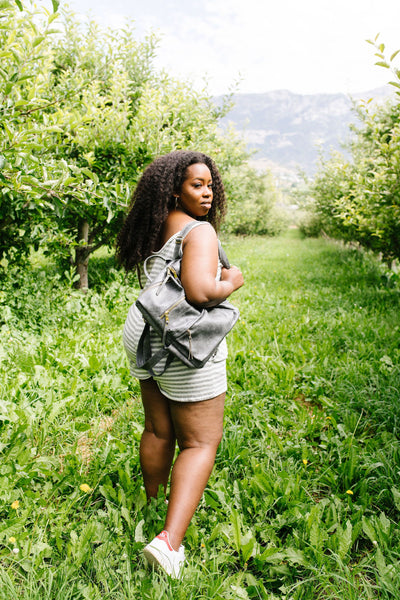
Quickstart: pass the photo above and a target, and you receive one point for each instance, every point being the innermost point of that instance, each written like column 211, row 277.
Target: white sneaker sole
column 159, row 560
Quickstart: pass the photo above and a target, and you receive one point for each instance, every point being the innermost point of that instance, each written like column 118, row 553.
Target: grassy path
column 304, row 501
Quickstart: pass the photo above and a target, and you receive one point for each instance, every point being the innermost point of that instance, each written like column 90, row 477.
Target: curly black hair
column 152, row 200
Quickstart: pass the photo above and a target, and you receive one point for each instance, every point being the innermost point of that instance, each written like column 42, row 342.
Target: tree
column 252, row 202
column 124, row 116
column 24, row 94
column 359, row 199
column 107, row 71
column 85, row 112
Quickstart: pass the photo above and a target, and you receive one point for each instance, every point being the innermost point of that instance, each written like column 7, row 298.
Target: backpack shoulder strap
column 177, row 253
column 178, row 248
column 188, row 227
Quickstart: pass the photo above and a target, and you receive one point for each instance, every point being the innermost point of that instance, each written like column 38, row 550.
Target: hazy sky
column 308, row 46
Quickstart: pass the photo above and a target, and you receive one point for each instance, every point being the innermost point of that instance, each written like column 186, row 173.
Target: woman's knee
column 162, row 429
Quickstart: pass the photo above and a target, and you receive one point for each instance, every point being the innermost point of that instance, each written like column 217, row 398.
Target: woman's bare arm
column 199, row 269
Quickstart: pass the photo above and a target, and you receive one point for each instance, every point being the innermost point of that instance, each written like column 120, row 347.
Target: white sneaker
column 160, row 553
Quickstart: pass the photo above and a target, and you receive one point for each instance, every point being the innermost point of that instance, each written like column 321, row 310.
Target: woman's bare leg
column 198, row 427
column 157, row 445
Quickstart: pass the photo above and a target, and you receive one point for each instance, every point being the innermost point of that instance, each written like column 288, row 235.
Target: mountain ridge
column 289, row 131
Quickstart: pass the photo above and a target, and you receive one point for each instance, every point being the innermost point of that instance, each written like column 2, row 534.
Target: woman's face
column 196, row 194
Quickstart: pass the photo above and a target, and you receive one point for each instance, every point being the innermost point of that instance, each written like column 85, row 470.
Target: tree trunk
column 82, row 253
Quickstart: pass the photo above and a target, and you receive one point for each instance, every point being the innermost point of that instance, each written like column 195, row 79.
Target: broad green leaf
column 369, row 530
column 126, row 515
column 108, row 492
column 38, row 40
column 19, row 4
column 248, row 544
column 380, row 563
column 237, row 535
column 54, row 129
column 221, row 529
column 272, row 555
column 42, row 548
column 315, row 535
column 56, row 4
column 9, row 528
column 4, row 73
column 396, row 497
column 394, row 55
column 295, row 556
column 240, row 592
column 9, row 130
column 90, row 174
column 139, row 535
column 210, row 500
column 345, row 541
column 11, row 37
column 382, row 63
column 25, row 77
column 385, row 523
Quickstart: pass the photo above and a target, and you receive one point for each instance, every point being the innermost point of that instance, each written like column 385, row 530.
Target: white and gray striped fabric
column 179, row 382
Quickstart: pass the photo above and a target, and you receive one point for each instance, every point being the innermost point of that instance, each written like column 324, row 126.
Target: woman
column 183, row 405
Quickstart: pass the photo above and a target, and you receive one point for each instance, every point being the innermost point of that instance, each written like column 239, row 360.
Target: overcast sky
column 308, row 46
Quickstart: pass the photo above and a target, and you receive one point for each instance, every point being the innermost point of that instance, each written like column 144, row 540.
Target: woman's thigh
column 198, row 424
column 157, row 413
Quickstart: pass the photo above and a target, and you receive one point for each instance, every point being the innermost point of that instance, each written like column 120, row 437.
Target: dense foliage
column 304, row 500
column 63, row 95
column 24, row 130
column 83, row 111
column 253, row 203
column 359, row 199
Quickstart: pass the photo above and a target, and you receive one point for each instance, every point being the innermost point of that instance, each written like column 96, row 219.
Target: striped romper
column 178, row 382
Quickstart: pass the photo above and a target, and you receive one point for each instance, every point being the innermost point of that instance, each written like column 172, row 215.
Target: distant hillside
column 288, row 130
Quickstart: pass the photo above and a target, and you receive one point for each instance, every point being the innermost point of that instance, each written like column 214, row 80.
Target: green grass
column 304, row 500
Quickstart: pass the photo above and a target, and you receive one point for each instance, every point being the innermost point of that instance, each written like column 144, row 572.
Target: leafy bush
column 360, row 199
column 84, row 111
column 252, row 203
column 311, row 224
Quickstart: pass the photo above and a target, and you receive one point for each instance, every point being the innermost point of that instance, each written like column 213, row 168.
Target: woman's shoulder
column 200, row 240
column 206, row 232
column 176, row 223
